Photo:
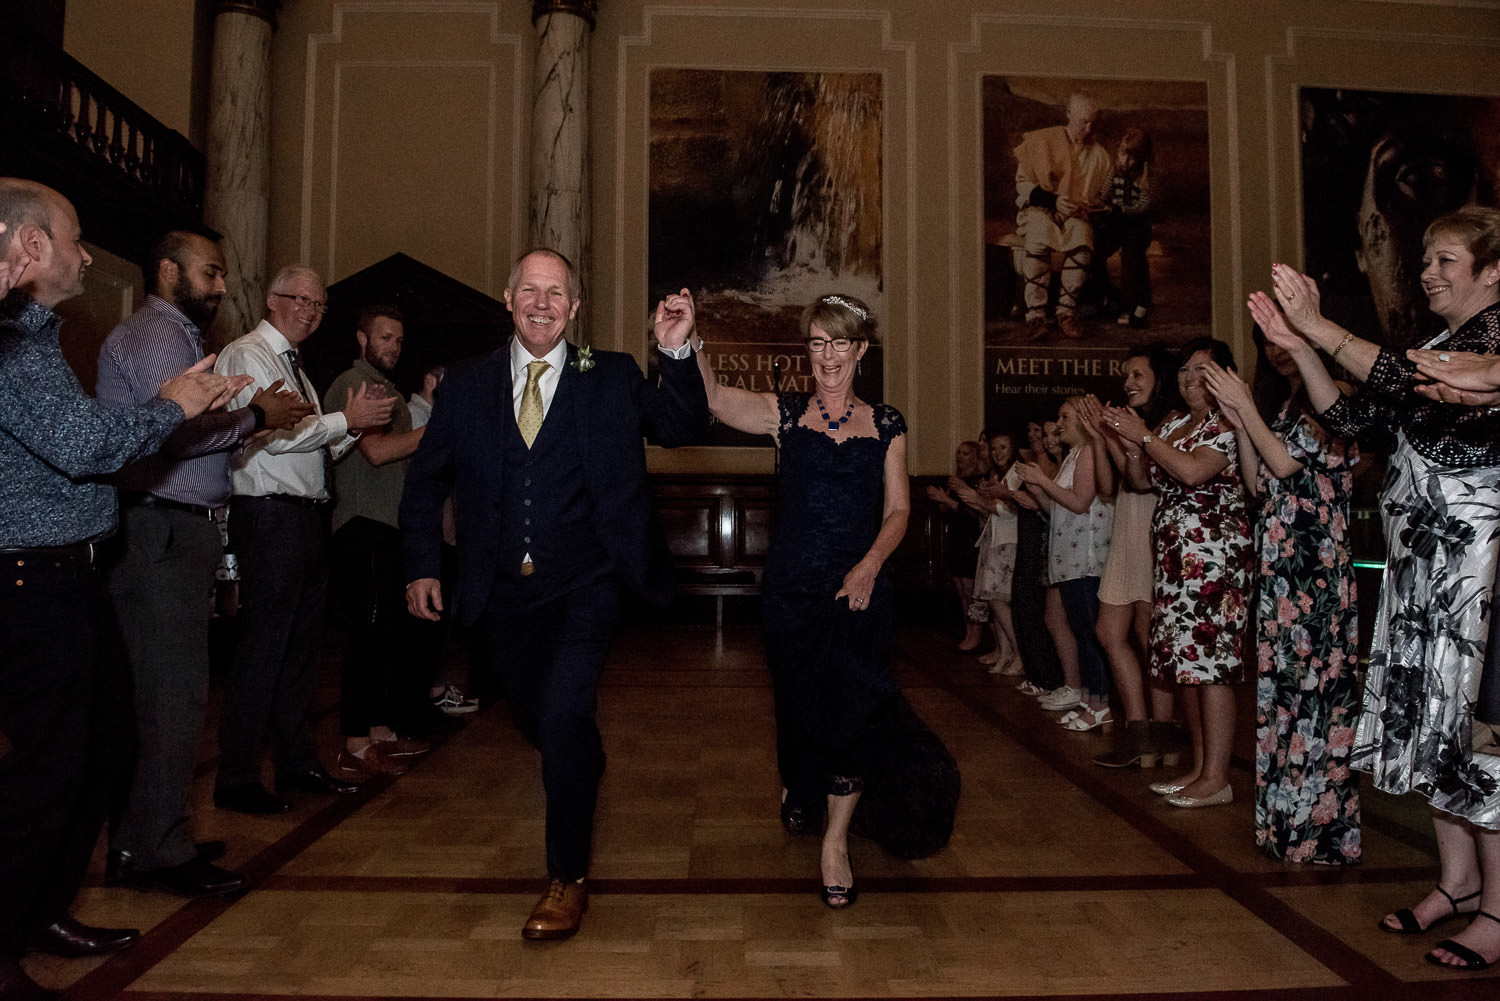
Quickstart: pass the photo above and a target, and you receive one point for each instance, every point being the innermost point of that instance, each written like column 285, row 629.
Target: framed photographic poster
column 766, row 194
column 1097, row 235
column 1377, row 168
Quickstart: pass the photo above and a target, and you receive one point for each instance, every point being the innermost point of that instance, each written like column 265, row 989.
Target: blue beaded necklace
column 834, row 425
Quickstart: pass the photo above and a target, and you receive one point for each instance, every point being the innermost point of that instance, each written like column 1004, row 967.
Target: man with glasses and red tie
column 279, row 536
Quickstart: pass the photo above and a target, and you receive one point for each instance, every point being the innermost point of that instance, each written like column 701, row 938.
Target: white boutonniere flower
column 585, row 359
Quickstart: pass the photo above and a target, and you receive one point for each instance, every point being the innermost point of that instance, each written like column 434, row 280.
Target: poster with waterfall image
column 1096, row 234
column 766, row 194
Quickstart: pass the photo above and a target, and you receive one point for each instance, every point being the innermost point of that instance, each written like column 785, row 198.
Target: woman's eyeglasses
column 839, row 344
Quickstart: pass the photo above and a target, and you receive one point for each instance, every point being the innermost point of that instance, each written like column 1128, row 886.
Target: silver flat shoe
column 1221, row 798
column 1166, row 788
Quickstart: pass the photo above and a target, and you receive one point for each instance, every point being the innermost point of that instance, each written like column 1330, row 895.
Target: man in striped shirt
column 161, row 580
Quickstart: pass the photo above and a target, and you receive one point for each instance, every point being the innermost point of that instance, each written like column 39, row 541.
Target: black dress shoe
column 72, row 939
column 193, row 878
column 15, row 985
column 118, row 865
column 314, row 780
column 250, row 798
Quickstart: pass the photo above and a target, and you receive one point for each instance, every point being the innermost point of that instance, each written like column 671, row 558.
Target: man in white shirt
column 279, row 536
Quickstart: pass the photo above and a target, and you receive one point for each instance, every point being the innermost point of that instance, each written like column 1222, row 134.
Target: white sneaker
column 1061, row 697
column 453, row 703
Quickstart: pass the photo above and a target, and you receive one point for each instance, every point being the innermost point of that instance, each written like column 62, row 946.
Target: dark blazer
column 615, row 406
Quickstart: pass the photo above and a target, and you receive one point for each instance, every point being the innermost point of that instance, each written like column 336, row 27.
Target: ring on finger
column 1445, row 357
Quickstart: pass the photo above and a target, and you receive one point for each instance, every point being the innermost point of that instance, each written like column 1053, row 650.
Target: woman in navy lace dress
column 826, row 602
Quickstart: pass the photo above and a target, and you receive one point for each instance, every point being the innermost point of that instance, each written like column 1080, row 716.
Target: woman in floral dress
column 1441, row 508
column 1307, row 697
column 1203, row 563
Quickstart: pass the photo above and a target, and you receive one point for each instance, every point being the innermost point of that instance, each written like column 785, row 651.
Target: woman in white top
column 1077, row 549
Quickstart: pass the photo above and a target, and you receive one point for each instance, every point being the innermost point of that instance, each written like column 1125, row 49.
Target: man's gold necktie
column 529, row 418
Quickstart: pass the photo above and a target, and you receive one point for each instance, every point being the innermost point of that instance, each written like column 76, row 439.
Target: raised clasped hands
column 1124, row 422
column 1298, row 296
column 1273, row 322
column 1091, row 413
column 199, row 388
column 1462, row 377
column 675, row 319
column 1231, row 393
column 282, row 407
column 1027, row 473
column 368, row 407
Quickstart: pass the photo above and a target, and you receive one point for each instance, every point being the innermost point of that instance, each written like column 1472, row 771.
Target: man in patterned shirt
column 58, row 737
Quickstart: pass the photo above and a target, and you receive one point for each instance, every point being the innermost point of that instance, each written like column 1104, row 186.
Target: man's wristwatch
column 260, row 416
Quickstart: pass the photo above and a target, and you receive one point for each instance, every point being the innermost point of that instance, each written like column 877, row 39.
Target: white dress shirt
column 556, row 358
column 520, row 358
column 282, row 462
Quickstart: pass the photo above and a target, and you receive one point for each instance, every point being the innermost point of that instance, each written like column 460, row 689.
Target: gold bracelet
column 1347, row 338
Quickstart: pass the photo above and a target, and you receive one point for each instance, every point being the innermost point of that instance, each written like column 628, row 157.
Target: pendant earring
column 859, row 366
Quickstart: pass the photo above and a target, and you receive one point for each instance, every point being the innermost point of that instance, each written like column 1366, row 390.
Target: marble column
column 237, row 197
column 560, row 131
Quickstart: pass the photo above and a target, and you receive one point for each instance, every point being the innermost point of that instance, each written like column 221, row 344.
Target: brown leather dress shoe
column 373, row 762
column 404, row 747
column 559, row 912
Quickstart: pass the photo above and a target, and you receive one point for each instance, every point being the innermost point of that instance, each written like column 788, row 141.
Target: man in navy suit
column 539, row 445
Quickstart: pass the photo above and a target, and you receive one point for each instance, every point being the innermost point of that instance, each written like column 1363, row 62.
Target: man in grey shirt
column 381, row 693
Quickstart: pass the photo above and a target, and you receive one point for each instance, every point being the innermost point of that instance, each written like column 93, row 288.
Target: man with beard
column 162, row 573
column 381, row 691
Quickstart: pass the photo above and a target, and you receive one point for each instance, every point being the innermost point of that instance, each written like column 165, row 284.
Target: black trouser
column 161, row 583
column 382, row 683
column 282, row 552
column 1028, row 603
column 550, row 652
column 64, row 737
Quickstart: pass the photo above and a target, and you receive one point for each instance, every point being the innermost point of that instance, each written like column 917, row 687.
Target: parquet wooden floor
column 1062, row 879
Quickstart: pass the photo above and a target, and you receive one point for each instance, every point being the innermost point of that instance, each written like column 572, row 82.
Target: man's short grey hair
column 575, row 286
column 288, row 274
column 22, row 202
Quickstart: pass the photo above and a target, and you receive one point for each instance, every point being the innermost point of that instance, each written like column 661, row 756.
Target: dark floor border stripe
column 1026, row 730
column 689, row 886
column 1472, row 990
column 727, row 886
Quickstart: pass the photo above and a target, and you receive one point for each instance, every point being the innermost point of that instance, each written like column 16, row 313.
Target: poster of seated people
column 765, row 195
column 1097, row 234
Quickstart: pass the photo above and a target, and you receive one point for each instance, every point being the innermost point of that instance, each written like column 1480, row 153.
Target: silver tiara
column 837, row 300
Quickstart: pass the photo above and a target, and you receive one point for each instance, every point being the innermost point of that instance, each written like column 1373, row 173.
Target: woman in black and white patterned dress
column 1441, row 510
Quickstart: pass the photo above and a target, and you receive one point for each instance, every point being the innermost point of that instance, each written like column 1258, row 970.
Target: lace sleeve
column 888, row 422
column 790, row 408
